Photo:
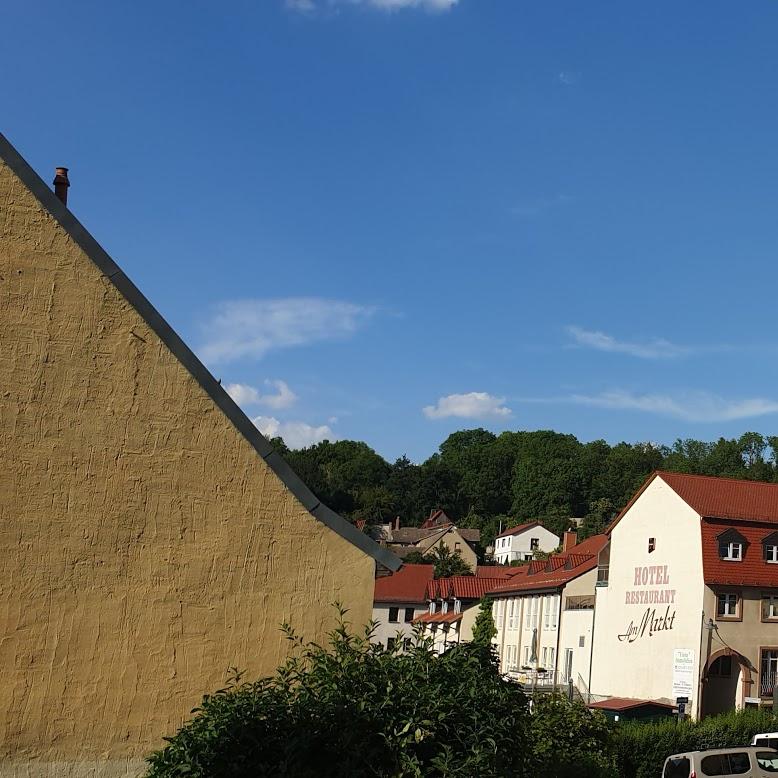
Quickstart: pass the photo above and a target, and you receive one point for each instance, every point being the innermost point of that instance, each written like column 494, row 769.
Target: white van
column 766, row 740
column 744, row 762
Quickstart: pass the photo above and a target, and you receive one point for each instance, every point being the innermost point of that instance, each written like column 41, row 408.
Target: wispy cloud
column 473, row 405
column 307, row 6
column 568, row 77
column 250, row 328
column 244, row 395
column 656, row 348
column 693, row 406
column 296, row 434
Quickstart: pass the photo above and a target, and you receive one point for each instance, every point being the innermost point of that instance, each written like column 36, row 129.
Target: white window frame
column 774, row 548
column 730, row 600
column 732, row 546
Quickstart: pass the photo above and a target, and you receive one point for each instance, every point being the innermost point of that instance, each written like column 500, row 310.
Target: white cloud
column 251, row 328
column 243, row 394
column 694, row 406
column 568, row 77
column 652, row 349
column 473, row 405
column 306, row 6
column 296, row 434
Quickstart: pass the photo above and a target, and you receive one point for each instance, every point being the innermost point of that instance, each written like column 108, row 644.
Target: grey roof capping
column 187, row 358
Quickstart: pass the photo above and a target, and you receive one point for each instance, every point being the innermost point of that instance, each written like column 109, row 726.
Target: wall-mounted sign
column 651, row 584
column 683, row 672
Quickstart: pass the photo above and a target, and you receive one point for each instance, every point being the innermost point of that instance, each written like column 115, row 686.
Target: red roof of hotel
column 558, row 571
column 627, row 703
column 751, row 570
column 715, row 497
column 517, row 529
column 408, row 584
column 495, row 571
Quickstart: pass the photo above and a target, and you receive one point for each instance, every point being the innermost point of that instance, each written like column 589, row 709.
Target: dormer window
column 731, row 551
column 732, row 546
column 770, row 548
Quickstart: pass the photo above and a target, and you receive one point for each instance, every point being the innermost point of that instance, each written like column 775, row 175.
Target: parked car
column 725, row 762
column 766, row 740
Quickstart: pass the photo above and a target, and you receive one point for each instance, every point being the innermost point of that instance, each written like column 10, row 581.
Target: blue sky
column 387, row 220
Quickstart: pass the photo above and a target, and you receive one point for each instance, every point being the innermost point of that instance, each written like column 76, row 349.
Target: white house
column 687, row 595
column 397, row 600
column 521, row 542
column 544, row 616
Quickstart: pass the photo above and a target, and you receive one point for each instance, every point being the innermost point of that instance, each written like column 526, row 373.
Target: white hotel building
column 687, row 595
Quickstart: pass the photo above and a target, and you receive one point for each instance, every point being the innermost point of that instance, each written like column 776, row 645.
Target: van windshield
column 677, row 767
column 768, row 761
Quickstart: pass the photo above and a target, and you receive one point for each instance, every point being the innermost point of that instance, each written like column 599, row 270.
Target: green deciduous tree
column 483, row 627
column 355, row 709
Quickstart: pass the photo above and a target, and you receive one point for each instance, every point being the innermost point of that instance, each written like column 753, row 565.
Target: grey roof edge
column 60, row 213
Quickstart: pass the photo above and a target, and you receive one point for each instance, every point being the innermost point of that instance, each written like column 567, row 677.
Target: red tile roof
column 627, row 703
column 463, row 587
column 495, row 571
column 713, row 497
column 437, row 618
column 752, row 570
column 408, row 584
column 579, row 560
column 517, row 529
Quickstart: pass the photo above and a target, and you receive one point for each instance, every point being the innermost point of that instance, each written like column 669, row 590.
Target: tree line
column 488, row 481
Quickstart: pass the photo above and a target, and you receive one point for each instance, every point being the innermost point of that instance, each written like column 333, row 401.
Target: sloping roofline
column 49, row 202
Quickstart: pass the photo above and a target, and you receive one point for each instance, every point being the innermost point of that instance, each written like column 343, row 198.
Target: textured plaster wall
column 145, row 546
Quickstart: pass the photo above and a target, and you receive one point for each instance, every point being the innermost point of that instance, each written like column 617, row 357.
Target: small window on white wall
column 651, row 545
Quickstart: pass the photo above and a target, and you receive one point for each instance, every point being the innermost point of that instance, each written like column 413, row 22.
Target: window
column 543, row 661
column 457, row 547
column 527, row 557
column 769, row 668
column 767, row 760
column 770, row 548
column 769, row 607
column 731, row 550
column 407, row 644
column 457, row 606
column 393, row 615
column 727, row 606
column 432, row 606
column 528, row 612
column 555, row 601
column 390, row 643
column 551, row 659
column 651, row 545
column 721, row 668
column 526, row 656
column 581, row 641
column 546, row 612
column 534, row 544
column 409, row 615
column 511, row 614
column 737, row 763
column 677, row 767
column 444, row 607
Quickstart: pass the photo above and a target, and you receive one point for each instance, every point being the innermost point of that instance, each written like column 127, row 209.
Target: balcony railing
column 767, row 684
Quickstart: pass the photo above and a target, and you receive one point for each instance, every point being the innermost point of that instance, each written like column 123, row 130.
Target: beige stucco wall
column 643, row 668
column 455, row 543
column 746, row 637
column 145, row 547
column 577, row 624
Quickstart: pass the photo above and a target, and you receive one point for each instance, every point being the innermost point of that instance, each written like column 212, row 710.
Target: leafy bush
column 357, row 709
column 568, row 739
column 641, row 748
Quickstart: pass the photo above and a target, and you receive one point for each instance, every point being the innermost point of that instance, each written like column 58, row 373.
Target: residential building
column 544, row 616
column 453, row 605
column 520, row 543
column 437, row 531
column 398, row 599
column 687, row 597
column 150, row 537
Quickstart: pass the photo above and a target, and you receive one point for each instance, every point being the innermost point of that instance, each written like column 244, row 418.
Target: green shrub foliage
column 641, row 749
column 357, row 709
